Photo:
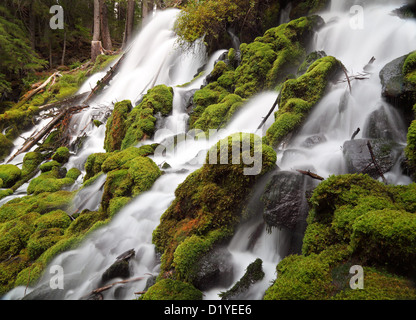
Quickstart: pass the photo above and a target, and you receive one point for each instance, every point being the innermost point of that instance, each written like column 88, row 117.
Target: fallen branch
column 105, row 288
column 311, row 174
column 38, row 136
column 105, row 80
column 30, row 94
column 269, row 113
column 380, row 172
column 65, row 102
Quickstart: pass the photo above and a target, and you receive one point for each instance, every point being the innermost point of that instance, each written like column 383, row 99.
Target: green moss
column 41, row 203
column 53, row 219
column 298, row 96
column 211, row 94
column 386, row 237
column 50, row 182
column 270, row 58
column 254, row 273
column 302, row 278
column 10, row 174
column 410, row 149
column 168, row 289
column 141, row 120
column 31, row 161
column 73, row 174
column 94, row 163
column 373, row 222
column 49, row 166
column 5, row 193
column 131, row 178
column 207, row 206
column 117, row 204
column 6, row 146
column 380, row 285
column 219, row 114
column 41, row 240
column 61, row 155
column 116, row 126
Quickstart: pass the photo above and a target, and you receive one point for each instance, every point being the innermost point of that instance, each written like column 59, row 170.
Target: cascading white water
column 154, row 58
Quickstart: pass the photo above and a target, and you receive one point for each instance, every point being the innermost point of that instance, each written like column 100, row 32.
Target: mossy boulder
column 168, row 289
column 61, row 155
column 140, row 123
column 116, row 126
column 271, row 58
column 6, row 146
column 410, row 149
column 299, row 96
column 31, row 161
column 354, row 220
column 51, row 181
column 9, row 174
column 208, row 206
column 217, row 115
column 130, row 179
column 326, row 276
column 398, row 80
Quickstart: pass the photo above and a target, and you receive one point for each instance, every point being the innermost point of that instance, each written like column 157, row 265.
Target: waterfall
column 154, row 58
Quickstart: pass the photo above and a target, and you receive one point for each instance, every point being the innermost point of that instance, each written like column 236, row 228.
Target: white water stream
column 155, row 58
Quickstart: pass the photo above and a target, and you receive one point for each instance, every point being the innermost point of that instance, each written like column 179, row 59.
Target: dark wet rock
column 358, row 157
column 314, row 140
column 214, row 269
column 395, row 89
column 119, row 269
column 384, row 125
column 286, row 206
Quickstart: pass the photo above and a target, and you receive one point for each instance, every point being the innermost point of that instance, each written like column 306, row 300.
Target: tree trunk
column 96, row 43
column 97, row 21
column 64, row 51
column 147, row 8
column 128, row 31
column 105, row 31
column 95, row 50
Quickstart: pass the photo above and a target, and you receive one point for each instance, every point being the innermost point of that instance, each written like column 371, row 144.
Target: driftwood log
column 45, row 130
column 105, row 80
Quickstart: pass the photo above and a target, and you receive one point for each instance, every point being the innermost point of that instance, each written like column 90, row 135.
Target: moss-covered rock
column 410, row 149
column 116, row 126
column 61, row 155
column 135, row 177
column 168, row 289
column 217, row 115
column 51, row 181
column 49, row 166
column 271, row 58
column 208, row 206
column 354, row 220
column 298, row 96
column 31, row 161
column 6, row 146
column 9, row 174
column 140, row 122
